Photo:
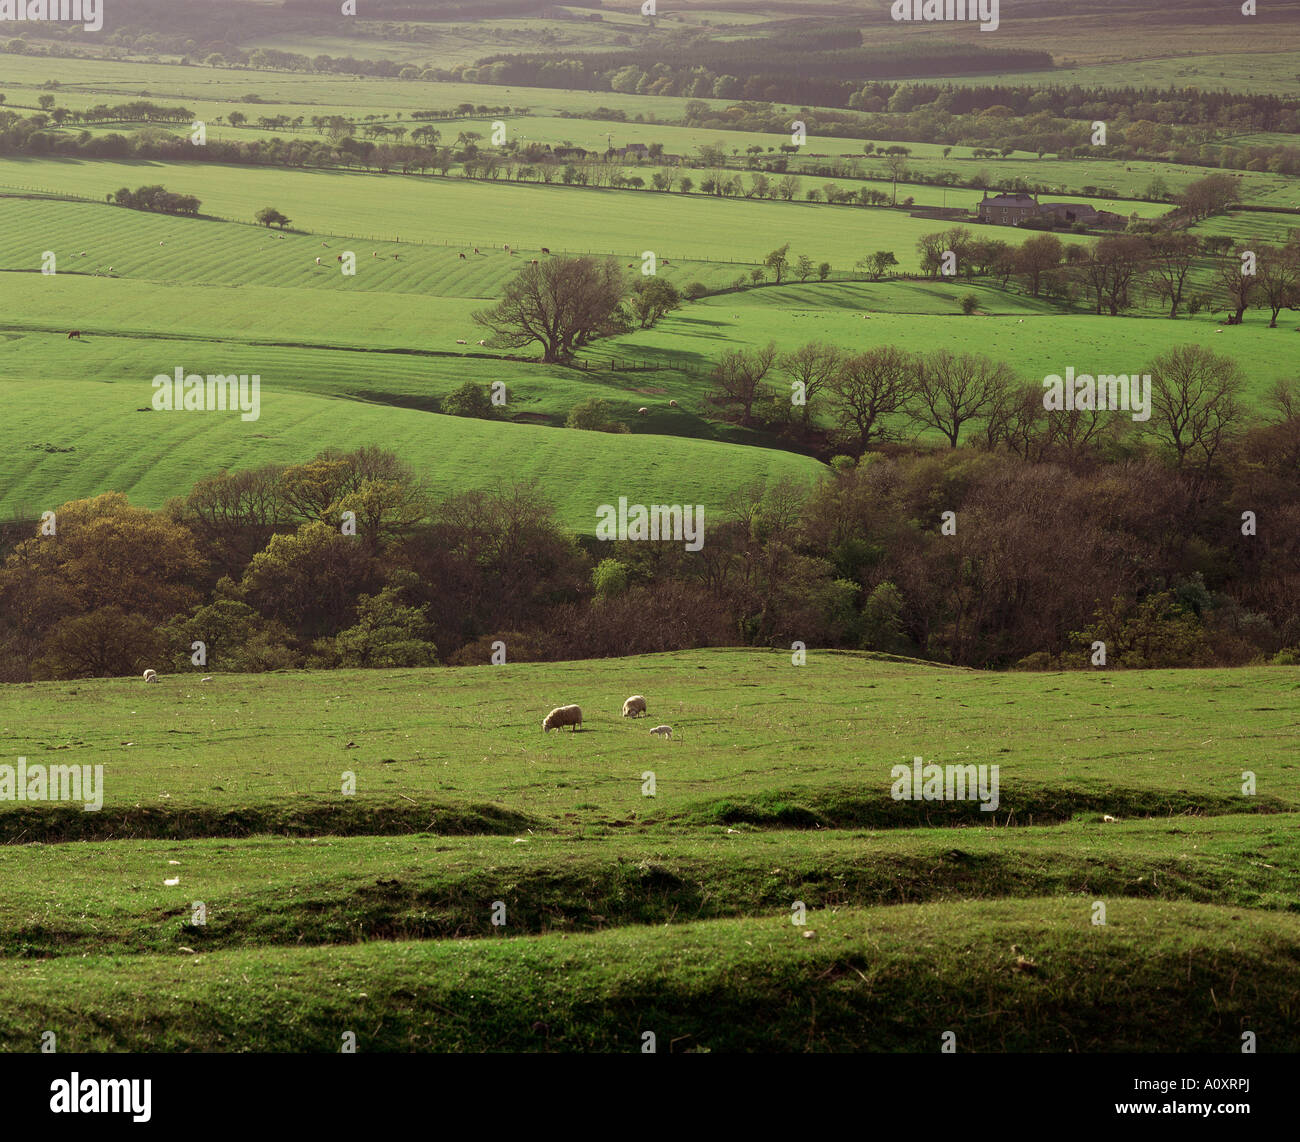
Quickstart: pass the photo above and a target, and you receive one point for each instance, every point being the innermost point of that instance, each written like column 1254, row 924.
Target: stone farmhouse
column 1015, row 209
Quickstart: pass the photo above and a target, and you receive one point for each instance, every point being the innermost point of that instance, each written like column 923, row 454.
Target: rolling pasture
column 665, row 913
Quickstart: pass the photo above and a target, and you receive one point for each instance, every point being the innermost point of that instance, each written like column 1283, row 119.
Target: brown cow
column 545, row 250
column 75, row 335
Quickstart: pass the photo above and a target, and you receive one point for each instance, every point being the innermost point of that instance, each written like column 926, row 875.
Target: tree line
column 1044, row 553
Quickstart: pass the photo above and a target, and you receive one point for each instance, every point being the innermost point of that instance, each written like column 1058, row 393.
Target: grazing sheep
column 672, row 404
column 151, row 676
column 326, row 245
column 545, row 250
column 1020, row 321
column 461, row 256
column 484, row 343
column 505, row 248
column 160, row 243
column 395, row 257
column 634, row 706
column 663, row 732
column 83, row 253
column 374, row 253
column 461, row 341
column 534, row 262
column 563, row 716
column 318, row 261
column 476, row 249
column 643, row 412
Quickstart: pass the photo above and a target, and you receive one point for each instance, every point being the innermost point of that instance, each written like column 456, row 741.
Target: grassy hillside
column 99, row 441
column 669, row 914
column 754, row 738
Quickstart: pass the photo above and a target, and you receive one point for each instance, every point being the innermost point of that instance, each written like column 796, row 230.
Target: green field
column 774, row 789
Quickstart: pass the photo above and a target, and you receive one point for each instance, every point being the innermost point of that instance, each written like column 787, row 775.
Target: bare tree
column 1195, row 402
column 562, row 303
column 1036, row 257
column 1279, row 279
column 739, row 376
column 1238, row 286
column 868, row 388
column 813, row 365
column 1172, row 255
column 953, row 389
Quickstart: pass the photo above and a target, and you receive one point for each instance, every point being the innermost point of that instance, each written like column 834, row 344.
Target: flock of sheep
column 571, row 716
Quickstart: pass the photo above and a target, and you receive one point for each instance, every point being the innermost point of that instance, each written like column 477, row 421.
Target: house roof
column 1011, row 200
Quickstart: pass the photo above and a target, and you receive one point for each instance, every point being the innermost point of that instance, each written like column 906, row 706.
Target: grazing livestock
column 563, row 716
column 663, row 732
column 642, row 412
column 151, row 676
column 75, row 335
column 634, row 707
column 476, row 249
column 461, row 256
column 672, row 404
column 534, row 262
column 318, row 261
column 394, row 257
column 83, row 253
column 545, row 250
column 482, row 342
column 461, row 341
column 338, row 257
column 505, row 247
column 1020, row 321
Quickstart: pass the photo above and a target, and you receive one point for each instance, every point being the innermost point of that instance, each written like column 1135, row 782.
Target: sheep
column 338, row 257
column 476, row 249
column 505, row 248
column 461, row 341
column 318, row 261
column 634, row 706
column 483, row 343
column 151, row 676
column 160, row 243
column 663, row 732
column 1020, row 321
column 83, row 253
column 563, row 716
column 672, row 404
column 461, row 256
column 375, row 254
column 545, row 250
column 643, row 412
column 534, row 262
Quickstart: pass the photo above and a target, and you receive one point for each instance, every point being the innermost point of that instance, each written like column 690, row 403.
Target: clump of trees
column 156, row 198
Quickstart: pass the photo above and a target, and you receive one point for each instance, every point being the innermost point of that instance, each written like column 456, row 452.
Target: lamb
column 663, row 732
column 634, row 706
column 563, row 716
column 151, row 676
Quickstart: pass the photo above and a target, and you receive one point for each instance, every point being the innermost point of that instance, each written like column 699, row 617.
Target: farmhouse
column 1015, row 209
column 1007, row 209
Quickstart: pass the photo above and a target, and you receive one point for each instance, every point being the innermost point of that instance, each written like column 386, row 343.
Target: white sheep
column 563, row 716
column 318, row 261
column 642, row 412
column 151, row 676
column 672, row 404
column 663, row 732
column 461, row 341
column 634, row 706
column 483, row 343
